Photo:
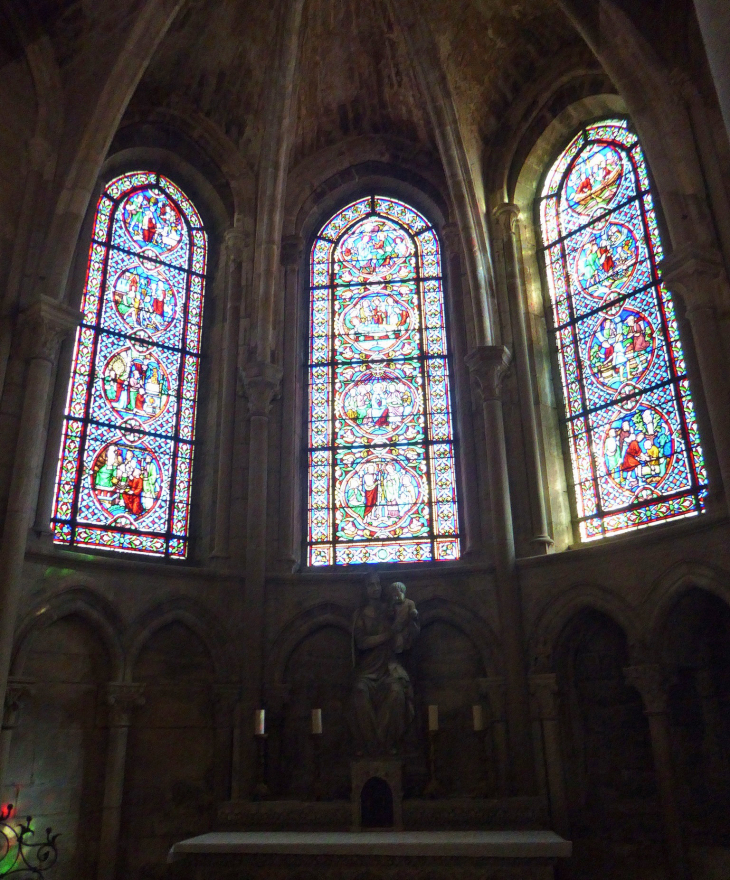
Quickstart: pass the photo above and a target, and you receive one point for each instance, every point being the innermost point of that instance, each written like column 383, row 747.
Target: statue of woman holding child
column 382, row 696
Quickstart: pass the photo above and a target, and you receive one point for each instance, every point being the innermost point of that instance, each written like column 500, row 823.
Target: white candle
column 260, row 722
column 476, row 711
column 433, row 717
column 316, row 721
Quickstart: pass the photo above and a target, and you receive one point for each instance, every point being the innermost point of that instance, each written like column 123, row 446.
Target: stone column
column 225, row 701
column 507, row 217
column 650, row 681
column 261, row 384
column 699, row 277
column 234, row 242
column 493, row 688
column 716, row 762
column 293, row 384
column 544, row 688
column 714, row 19
column 123, row 698
column 488, row 364
column 44, row 324
column 17, row 690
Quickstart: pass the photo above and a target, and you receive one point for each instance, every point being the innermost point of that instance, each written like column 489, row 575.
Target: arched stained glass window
column 631, row 426
column 126, row 459
column 382, row 482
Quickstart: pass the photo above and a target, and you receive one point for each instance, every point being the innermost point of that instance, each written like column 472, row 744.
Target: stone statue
column 382, row 696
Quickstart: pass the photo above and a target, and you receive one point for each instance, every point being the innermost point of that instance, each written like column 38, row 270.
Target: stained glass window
column 382, row 482
column 631, row 425
column 126, row 459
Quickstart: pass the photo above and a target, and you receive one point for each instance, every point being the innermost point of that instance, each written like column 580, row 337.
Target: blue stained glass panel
column 631, row 427
column 382, row 481
column 125, row 470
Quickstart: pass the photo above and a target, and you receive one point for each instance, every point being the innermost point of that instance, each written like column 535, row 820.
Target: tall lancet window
column 382, row 484
column 631, row 426
column 126, row 460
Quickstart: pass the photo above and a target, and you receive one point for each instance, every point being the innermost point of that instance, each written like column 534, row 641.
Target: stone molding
column 488, row 365
column 261, row 384
column 44, row 325
column 650, row 681
column 17, row 690
column 123, row 698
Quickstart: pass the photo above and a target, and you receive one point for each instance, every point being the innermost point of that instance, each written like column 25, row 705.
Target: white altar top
column 470, row 844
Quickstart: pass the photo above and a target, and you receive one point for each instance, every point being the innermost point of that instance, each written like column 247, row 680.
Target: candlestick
column 316, row 721
column 478, row 717
column 260, row 722
column 433, row 718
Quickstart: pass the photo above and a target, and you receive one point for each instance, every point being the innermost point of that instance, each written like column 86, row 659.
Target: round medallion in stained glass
column 622, row 347
column 126, row 479
column 136, row 383
column 594, row 179
column 607, row 260
column 151, row 220
column 144, row 299
column 375, row 251
column 381, row 494
column 638, row 450
column 378, row 406
column 375, row 323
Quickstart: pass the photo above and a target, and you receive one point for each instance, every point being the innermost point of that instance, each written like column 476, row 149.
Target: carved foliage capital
column 261, row 384
column 17, row 690
column 494, row 689
column 451, row 237
column 225, row 699
column 235, row 243
column 488, row 365
column 544, row 688
column 291, row 250
column 507, row 216
column 123, row 698
column 43, row 325
column 694, row 273
column 650, row 681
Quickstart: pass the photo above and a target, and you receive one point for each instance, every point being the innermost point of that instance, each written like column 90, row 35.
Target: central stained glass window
column 631, row 425
column 382, row 484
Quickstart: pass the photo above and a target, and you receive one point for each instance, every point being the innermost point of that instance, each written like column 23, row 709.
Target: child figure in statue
column 404, row 613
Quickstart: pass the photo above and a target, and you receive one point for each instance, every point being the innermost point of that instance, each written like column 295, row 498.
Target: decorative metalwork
column 125, row 469
column 632, row 431
column 382, row 485
column 19, row 856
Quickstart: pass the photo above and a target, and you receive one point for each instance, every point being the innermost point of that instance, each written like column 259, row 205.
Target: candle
column 316, row 721
column 260, row 722
column 476, row 712
column 433, row 718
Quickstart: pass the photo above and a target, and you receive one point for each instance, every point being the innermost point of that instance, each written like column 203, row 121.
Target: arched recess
column 606, row 744
column 365, row 166
column 56, row 768
column 173, row 746
column 693, row 645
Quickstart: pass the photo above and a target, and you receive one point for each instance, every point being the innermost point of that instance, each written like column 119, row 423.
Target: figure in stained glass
column 379, row 489
column 633, row 434
column 126, row 455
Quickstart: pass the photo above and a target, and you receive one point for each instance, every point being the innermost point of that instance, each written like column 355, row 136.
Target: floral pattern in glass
column 631, row 426
column 382, row 484
column 125, row 468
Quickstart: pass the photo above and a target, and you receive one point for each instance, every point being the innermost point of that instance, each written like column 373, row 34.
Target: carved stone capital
column 488, row 365
column 507, row 216
column 261, row 384
column 235, row 242
column 650, row 681
column 43, row 325
column 291, row 250
column 451, row 237
column 123, row 698
column 17, row 690
column 696, row 274
column 544, row 688
column 225, row 700
column 494, row 689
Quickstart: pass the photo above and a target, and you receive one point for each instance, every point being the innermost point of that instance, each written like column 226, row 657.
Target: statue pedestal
column 377, row 793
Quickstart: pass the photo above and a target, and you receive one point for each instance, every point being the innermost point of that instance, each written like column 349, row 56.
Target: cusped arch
column 439, row 609
column 72, row 601
column 195, row 617
column 556, row 615
column 669, row 588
